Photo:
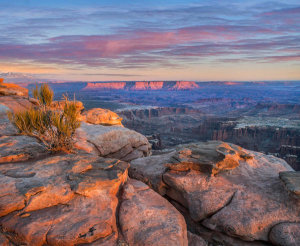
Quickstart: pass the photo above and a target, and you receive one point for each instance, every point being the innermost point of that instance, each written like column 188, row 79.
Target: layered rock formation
column 245, row 203
column 144, row 85
column 74, row 200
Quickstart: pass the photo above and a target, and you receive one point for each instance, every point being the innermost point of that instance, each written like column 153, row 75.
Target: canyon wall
column 143, row 85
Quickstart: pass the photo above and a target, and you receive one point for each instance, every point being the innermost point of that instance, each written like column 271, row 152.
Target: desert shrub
column 44, row 94
column 55, row 128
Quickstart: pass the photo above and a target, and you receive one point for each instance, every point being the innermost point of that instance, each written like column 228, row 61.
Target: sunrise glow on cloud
column 122, row 40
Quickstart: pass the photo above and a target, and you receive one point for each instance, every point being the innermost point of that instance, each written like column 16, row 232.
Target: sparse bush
column 55, row 128
column 44, row 94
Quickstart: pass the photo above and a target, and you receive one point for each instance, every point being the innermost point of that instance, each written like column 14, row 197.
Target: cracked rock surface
column 79, row 199
column 147, row 219
column 112, row 142
column 244, row 202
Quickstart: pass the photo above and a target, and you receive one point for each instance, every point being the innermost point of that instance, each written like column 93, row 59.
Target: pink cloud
column 137, row 48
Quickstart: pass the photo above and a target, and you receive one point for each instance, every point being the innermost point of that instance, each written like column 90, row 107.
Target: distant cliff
column 143, row 85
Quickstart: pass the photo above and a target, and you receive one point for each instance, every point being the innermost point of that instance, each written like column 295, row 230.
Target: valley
column 260, row 116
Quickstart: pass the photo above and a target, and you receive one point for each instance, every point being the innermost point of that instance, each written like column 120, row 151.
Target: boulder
column 285, row 234
column 20, row 148
column 244, row 202
column 12, row 90
column 210, row 158
column 148, row 219
column 100, row 116
column 61, row 200
column 112, row 141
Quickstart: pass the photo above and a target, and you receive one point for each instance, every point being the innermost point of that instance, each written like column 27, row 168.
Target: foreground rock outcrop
column 74, row 199
column 112, row 141
column 7, row 89
column 245, row 202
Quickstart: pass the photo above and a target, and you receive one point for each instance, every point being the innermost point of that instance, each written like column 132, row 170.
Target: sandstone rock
column 285, row 234
column 291, row 181
column 6, row 127
column 112, row 141
column 4, row 241
column 150, row 170
column 15, row 103
column 148, row 219
column 211, row 157
column 101, row 116
column 195, row 240
column 245, row 202
column 62, row 200
column 19, row 148
column 12, row 89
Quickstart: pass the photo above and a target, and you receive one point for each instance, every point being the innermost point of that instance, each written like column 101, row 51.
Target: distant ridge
column 142, row 85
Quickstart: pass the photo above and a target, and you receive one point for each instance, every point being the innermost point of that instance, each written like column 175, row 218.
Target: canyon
column 112, row 190
column 261, row 116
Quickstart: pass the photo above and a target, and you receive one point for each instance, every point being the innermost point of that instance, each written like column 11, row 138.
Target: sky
column 93, row 40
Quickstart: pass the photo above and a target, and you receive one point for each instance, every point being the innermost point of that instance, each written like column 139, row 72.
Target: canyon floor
column 112, row 191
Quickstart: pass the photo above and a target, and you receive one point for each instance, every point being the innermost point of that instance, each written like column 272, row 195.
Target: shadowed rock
column 286, row 234
column 148, row 219
column 6, row 127
column 20, row 148
column 291, row 181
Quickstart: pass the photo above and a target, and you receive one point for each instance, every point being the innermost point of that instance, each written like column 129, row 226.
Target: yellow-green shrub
column 55, row 129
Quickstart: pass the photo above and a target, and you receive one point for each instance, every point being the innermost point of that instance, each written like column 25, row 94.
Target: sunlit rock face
column 100, row 116
column 83, row 199
column 62, row 200
column 106, row 86
column 184, row 85
column 143, row 85
column 12, row 89
column 16, row 103
column 112, row 141
column 244, row 201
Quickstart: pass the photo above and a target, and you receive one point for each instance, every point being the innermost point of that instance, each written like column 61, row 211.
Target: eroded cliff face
column 143, row 85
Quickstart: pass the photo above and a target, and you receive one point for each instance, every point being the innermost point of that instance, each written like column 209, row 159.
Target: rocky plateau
column 112, row 191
